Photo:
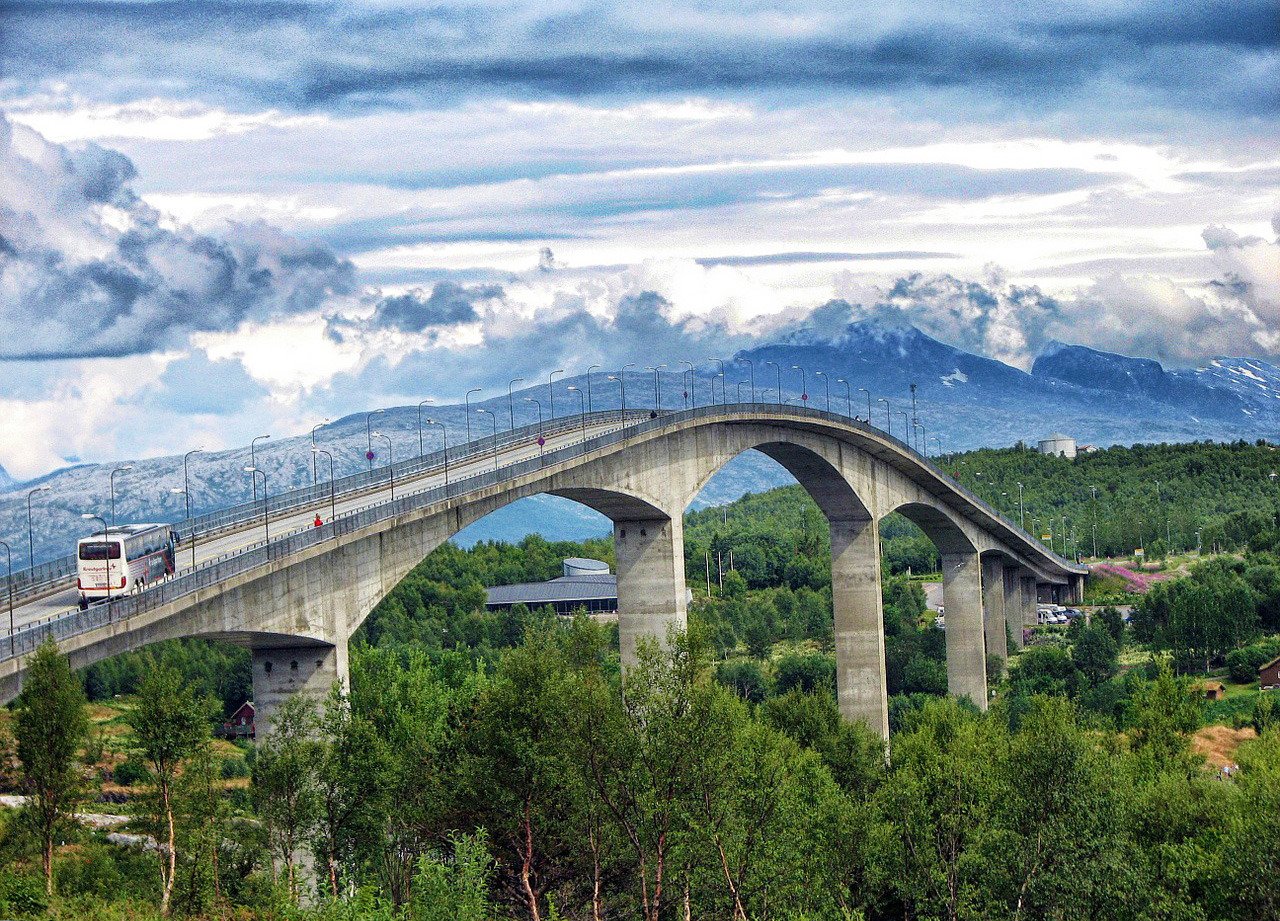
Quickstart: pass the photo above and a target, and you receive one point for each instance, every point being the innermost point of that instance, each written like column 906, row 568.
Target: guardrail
column 212, row 572
column 53, row 574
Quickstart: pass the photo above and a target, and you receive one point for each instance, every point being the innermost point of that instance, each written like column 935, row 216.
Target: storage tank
column 1058, row 444
column 577, row 566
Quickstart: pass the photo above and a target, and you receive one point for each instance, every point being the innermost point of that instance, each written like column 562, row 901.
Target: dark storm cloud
column 447, row 304
column 1195, row 56
column 90, row 270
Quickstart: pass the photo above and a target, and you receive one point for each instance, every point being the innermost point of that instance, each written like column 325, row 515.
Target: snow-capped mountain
column 962, row 401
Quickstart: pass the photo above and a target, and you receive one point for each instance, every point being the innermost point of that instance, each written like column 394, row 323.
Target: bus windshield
column 100, row 551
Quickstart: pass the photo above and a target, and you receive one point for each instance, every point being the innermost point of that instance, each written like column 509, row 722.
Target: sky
column 224, row 218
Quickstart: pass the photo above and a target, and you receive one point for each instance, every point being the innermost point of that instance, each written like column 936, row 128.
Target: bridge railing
column 53, row 573
column 213, row 572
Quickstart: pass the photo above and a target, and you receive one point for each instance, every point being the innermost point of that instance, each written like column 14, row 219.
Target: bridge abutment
column 281, row 671
column 966, row 643
column 859, row 623
column 651, row 584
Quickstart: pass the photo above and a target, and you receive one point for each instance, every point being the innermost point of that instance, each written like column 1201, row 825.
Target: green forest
column 489, row 765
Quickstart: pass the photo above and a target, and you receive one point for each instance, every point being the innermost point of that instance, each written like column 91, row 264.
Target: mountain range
column 963, row 401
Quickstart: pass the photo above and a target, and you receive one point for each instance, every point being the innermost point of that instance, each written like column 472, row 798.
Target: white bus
column 129, row 557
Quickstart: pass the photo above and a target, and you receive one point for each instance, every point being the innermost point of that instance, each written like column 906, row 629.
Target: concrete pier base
column 279, row 672
column 1013, row 613
column 966, row 646
column 859, row 618
column 651, row 586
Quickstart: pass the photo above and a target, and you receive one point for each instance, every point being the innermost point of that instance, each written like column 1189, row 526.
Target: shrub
column 806, row 671
column 234, row 767
column 131, row 772
column 745, row 679
column 22, row 895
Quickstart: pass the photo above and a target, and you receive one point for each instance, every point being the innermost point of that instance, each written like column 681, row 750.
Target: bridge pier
column 651, row 584
column 861, row 686
column 1013, row 607
column 280, row 671
column 993, row 607
column 966, row 646
column 1030, row 597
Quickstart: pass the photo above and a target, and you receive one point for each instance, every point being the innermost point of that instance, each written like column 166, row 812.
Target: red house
column 1269, row 674
column 240, row 724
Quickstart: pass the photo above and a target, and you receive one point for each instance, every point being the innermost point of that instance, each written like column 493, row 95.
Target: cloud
column 447, row 304
column 88, row 269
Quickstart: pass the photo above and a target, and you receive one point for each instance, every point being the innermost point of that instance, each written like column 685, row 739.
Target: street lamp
column 582, row 409
column 391, row 466
column 511, row 403
column 112, row 480
column 888, row 416
column 751, row 373
column 590, row 409
column 848, row 397
column 368, row 436
column 686, row 381
column 483, row 411
column 253, row 461
column 657, row 386
column 868, row 393
column 723, row 398
column 8, row 554
column 466, row 400
column 1094, row 490
column 541, row 440
column 738, row 394
column 31, row 541
column 314, row 477
column 552, row 394
column 444, row 434
column 333, row 499
column 186, row 491
column 421, row 450
column 804, row 384
column 254, row 473
column 778, row 368
column 827, row 383
column 906, row 424
column 1022, row 518
column 106, row 553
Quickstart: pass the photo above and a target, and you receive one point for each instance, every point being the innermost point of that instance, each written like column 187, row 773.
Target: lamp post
column 888, row 416
column 253, row 460
column 368, row 436
column 333, row 498
column 254, row 473
column 924, row 439
column 466, row 401
column 421, row 450
column 314, row 477
column 1094, row 491
column 868, row 393
column 739, row 390
column 511, row 403
column 112, row 480
column 723, row 398
column 777, row 367
column 541, row 440
column 848, row 397
column 551, row 393
column 582, row 410
column 483, row 411
column 804, row 384
column 906, row 424
column 657, row 386
column 444, row 434
column 186, row 491
column 590, row 409
column 764, row 394
column 8, row 554
column 106, row 553
column 1022, row 518
column 391, row 467
column 31, row 540
column 751, row 374
column 827, row 384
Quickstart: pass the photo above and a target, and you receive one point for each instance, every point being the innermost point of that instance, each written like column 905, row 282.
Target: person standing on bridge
column 318, row 522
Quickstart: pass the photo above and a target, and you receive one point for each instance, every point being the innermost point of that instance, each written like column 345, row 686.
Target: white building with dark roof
column 586, row 585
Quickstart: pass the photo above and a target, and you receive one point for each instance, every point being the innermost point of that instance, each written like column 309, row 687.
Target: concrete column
column 282, row 671
column 966, row 648
column 1013, row 606
column 993, row 613
column 1030, row 597
column 651, row 586
column 859, row 623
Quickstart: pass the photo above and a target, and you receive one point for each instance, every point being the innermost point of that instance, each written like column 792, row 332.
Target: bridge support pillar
column 279, row 672
column 966, row 646
column 993, row 612
column 651, row 585
column 859, row 623
column 1030, row 597
column 1013, row 607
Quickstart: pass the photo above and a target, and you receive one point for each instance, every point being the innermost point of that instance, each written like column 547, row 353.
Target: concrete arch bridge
column 296, row 601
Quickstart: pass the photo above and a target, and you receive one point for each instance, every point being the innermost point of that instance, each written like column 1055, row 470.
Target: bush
column 22, row 895
column 745, row 679
column 1265, row 713
column 131, row 772
column 234, row 767
column 807, row 671
column 1243, row 664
